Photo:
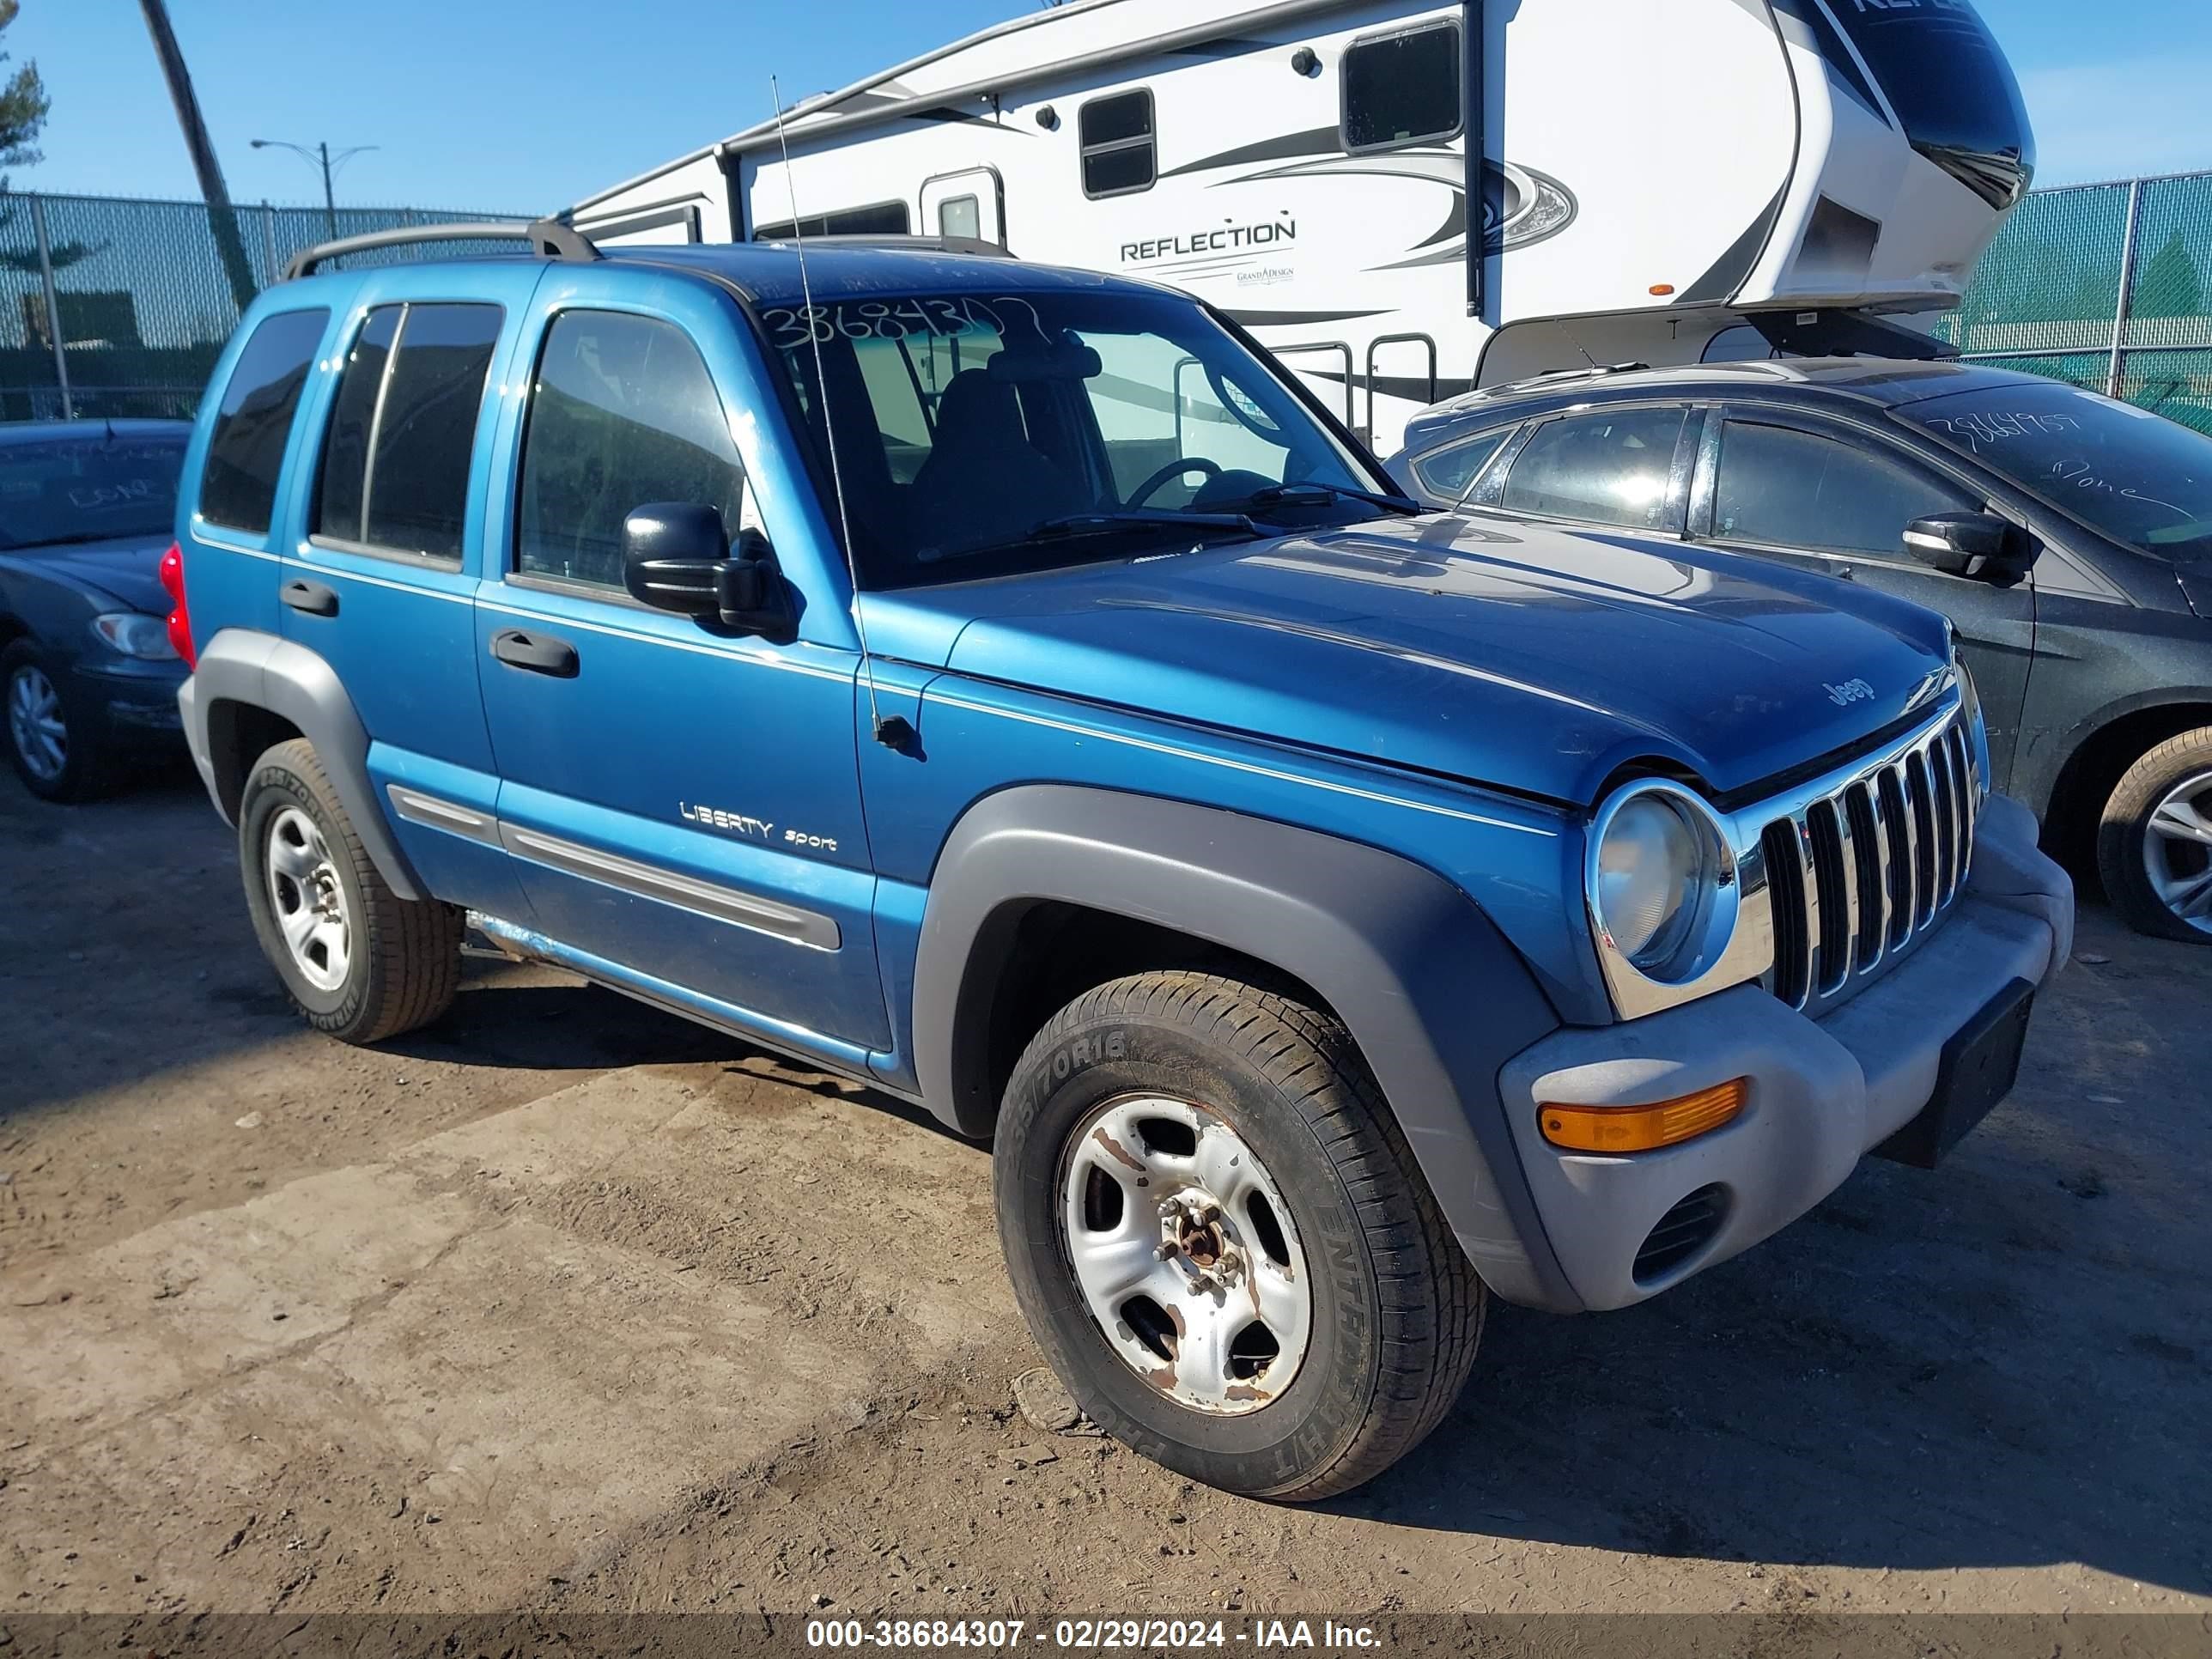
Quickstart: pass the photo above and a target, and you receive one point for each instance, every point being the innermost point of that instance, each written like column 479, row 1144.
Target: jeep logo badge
column 1849, row 692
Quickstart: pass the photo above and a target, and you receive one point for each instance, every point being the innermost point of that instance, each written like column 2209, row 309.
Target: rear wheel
column 360, row 962
column 1220, row 1239
column 2154, row 843
column 51, row 744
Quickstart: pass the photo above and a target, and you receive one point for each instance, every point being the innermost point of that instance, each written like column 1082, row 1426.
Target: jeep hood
column 1532, row 658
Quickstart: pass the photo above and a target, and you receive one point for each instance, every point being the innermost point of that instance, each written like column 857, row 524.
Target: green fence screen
column 118, row 307
column 2107, row 286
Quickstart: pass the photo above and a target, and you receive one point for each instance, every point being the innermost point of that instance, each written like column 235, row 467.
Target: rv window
column 961, row 216
column 878, row 219
column 1116, row 139
column 1402, row 88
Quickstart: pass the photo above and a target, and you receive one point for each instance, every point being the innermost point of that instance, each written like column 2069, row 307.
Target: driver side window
column 622, row 412
column 1157, row 405
column 1786, row 488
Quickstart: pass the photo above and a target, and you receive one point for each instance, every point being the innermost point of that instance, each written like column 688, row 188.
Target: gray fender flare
column 1436, row 998
column 244, row 668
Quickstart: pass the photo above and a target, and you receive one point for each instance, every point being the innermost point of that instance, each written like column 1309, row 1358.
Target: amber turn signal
column 1643, row 1128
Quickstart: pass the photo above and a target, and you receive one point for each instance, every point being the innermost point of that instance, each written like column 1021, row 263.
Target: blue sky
column 511, row 106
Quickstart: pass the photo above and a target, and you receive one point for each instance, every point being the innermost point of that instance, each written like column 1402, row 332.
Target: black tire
column 1397, row 1310
column 404, row 968
column 2123, row 831
column 89, row 768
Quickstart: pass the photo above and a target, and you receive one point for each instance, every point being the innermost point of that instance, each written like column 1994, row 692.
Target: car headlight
column 135, row 634
column 1661, row 878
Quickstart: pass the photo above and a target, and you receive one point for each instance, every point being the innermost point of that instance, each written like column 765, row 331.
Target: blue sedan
column 87, row 677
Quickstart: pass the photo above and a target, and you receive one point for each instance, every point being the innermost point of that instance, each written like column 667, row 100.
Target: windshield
column 2135, row 477
column 93, row 489
column 979, row 435
column 1951, row 86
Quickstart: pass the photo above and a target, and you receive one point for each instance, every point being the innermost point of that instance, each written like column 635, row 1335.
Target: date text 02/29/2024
column 1089, row 1635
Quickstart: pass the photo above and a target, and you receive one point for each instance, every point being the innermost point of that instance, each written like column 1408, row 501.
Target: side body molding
column 1435, row 996
column 244, row 669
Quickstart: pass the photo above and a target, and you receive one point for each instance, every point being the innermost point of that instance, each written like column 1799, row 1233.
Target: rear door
column 1831, row 496
column 970, row 202
column 379, row 570
column 681, row 801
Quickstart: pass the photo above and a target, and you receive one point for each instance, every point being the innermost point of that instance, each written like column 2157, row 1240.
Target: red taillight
column 181, row 617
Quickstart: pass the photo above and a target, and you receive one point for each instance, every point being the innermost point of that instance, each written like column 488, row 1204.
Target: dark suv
column 2069, row 538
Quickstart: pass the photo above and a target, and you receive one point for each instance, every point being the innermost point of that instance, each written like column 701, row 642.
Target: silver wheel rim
column 2178, row 852
column 309, row 900
column 1186, row 1254
column 36, row 722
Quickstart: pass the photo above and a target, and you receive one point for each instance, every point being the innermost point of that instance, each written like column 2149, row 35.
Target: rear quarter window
column 246, row 450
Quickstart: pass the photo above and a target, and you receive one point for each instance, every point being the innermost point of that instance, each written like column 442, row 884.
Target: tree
column 23, row 105
column 2170, row 285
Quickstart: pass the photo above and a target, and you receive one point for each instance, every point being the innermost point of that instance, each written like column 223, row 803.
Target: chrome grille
column 1855, row 874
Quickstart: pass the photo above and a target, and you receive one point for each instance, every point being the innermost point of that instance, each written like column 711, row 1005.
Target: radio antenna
column 895, row 732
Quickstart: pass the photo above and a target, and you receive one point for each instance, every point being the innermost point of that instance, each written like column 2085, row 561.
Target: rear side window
column 1115, row 134
column 396, row 459
column 1446, row 473
column 238, row 485
column 624, row 415
column 1610, row 466
column 1402, row 88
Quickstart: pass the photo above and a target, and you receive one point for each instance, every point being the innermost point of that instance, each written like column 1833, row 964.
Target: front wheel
column 1218, row 1234
column 2155, row 844
column 52, row 742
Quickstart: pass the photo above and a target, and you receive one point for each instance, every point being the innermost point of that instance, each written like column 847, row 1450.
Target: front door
column 679, row 800
column 967, row 203
column 1829, row 497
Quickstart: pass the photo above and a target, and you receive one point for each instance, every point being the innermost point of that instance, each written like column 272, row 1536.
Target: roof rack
column 974, row 245
column 548, row 239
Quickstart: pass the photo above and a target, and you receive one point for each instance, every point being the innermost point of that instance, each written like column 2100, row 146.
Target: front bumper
column 1823, row 1092
column 137, row 700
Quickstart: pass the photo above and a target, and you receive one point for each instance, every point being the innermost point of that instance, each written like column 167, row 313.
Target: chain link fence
column 111, row 305
column 2108, row 286
column 117, row 306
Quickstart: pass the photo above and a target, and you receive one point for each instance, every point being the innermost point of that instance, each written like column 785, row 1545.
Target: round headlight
column 1656, row 869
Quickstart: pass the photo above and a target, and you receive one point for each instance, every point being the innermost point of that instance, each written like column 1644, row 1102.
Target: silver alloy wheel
column 36, row 722
column 2178, row 851
column 1185, row 1254
column 309, row 900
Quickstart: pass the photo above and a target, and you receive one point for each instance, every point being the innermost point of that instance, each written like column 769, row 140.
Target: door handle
column 312, row 597
column 541, row 653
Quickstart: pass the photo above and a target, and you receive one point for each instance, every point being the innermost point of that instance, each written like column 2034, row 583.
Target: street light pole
column 319, row 156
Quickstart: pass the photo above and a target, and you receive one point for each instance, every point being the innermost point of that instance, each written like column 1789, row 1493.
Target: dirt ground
column 568, row 1305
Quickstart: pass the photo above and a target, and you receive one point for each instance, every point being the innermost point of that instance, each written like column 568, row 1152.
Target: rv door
column 969, row 203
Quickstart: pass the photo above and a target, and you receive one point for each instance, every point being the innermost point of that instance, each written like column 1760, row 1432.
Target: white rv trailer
column 1629, row 180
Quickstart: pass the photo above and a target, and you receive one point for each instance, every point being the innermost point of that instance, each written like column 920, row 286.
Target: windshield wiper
column 1275, row 494
column 1105, row 523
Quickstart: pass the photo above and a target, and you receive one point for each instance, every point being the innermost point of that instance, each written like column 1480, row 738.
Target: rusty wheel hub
column 1186, row 1253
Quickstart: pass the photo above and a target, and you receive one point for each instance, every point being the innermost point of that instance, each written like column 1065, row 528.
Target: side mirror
column 1980, row 545
column 677, row 556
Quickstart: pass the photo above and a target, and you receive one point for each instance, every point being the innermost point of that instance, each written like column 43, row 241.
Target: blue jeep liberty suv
column 1008, row 687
